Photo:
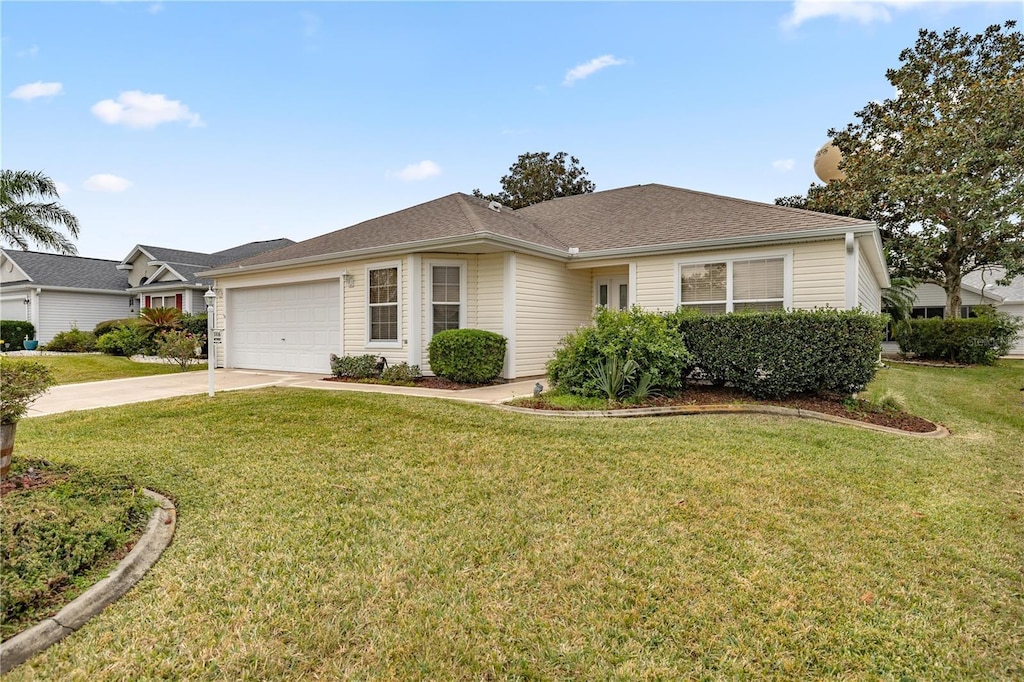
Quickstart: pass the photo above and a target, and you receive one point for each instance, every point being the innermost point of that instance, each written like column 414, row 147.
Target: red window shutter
column 147, row 302
column 177, row 301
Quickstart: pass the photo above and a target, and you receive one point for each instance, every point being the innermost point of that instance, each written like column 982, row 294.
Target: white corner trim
column 415, row 310
column 508, row 327
column 852, row 251
column 341, row 315
column 631, row 293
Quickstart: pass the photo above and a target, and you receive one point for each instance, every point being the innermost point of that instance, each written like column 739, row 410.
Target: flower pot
column 6, row 448
column 31, row 345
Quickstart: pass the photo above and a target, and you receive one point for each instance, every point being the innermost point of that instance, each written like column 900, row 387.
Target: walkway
column 88, row 396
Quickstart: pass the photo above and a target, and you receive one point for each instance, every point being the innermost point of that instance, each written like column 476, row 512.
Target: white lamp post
column 211, row 355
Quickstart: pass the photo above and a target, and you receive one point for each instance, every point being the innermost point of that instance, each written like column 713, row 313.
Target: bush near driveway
column 471, row 356
column 72, row 341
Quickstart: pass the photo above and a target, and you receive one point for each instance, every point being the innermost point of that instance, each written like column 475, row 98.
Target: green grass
column 60, row 539
column 336, row 535
column 74, row 369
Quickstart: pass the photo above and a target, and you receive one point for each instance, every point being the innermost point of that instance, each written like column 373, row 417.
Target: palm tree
column 24, row 218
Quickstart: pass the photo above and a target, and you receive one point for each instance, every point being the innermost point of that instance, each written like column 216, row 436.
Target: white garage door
column 293, row 327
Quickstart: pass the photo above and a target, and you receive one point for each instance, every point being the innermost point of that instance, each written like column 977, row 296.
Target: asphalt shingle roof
column 653, row 215
column 188, row 263
column 638, row 216
column 1014, row 291
column 51, row 269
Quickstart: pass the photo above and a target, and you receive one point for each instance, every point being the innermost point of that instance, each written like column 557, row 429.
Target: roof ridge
column 464, row 206
column 842, row 218
column 60, row 255
column 515, row 216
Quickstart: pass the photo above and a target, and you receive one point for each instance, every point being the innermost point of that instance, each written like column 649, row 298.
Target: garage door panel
column 291, row 327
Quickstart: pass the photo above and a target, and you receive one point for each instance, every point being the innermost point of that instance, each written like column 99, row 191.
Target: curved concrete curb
column 150, row 546
column 939, row 432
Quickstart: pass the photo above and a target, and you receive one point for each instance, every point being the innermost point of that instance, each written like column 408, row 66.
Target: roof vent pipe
column 494, row 206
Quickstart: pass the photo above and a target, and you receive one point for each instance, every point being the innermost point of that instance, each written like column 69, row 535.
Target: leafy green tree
column 940, row 166
column 29, row 214
column 539, row 176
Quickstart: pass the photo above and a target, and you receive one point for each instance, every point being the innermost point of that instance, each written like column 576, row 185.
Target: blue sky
column 203, row 125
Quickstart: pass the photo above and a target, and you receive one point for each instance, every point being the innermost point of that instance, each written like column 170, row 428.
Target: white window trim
column 375, row 343
column 463, row 267
column 729, row 259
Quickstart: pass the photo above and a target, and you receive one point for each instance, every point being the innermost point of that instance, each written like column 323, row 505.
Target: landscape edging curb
column 155, row 539
column 939, row 432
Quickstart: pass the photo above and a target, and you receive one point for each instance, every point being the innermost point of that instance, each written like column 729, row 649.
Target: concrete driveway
column 91, row 395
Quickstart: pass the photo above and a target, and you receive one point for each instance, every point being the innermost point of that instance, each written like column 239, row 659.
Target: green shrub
column 401, row 373
column 22, row 383
column 969, row 341
column 15, row 331
column 778, row 353
column 645, row 338
column 194, row 324
column 126, row 340
column 107, row 326
column 73, row 341
column 354, row 366
column 179, row 346
column 472, row 356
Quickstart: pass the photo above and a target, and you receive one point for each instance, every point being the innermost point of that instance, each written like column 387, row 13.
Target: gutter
column 78, row 290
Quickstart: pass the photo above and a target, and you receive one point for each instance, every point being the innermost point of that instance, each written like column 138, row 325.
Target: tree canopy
column 29, row 215
column 539, row 176
column 940, row 166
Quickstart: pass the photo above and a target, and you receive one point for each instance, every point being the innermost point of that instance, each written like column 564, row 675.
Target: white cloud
column 581, row 71
column 137, row 109
column 62, row 187
column 156, row 8
column 310, row 24
column 30, row 52
column 783, row 164
column 419, row 171
column 105, row 182
column 863, row 11
column 31, row 91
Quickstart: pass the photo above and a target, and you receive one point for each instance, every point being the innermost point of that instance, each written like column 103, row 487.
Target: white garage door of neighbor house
column 291, row 327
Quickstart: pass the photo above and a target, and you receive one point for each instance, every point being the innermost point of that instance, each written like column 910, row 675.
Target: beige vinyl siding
column 490, row 292
column 550, row 302
column 819, row 274
column 59, row 310
column 869, row 293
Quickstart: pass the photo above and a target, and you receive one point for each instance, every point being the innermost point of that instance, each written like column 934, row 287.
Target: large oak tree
column 539, row 176
column 940, row 166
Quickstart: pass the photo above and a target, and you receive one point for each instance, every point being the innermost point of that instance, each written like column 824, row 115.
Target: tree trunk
column 953, row 300
column 6, row 448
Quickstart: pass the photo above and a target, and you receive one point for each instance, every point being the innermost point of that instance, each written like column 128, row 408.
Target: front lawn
column 78, row 368
column 330, row 535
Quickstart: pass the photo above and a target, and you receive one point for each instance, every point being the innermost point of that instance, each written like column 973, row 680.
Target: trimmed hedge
column 354, row 366
column 471, row 356
column 126, row 340
column 15, row 331
column 645, row 338
column 778, row 353
column 73, row 341
column 969, row 341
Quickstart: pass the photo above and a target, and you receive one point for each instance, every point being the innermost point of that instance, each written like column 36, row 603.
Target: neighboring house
column 166, row 278
column 54, row 292
column 385, row 286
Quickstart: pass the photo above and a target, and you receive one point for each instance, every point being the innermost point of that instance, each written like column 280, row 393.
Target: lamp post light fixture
column 211, row 355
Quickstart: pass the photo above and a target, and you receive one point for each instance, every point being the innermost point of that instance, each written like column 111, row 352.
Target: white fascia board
column 6, row 256
column 74, row 290
column 395, row 250
column 136, row 250
column 164, row 267
column 725, row 243
column 157, row 287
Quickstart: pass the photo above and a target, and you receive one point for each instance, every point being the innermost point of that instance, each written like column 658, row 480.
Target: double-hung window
column 383, row 304
column 446, row 297
column 734, row 285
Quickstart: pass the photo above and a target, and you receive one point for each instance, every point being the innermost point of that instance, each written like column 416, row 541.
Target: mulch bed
column 422, row 382
column 29, row 479
column 859, row 410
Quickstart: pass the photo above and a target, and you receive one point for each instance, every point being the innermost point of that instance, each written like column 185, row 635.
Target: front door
column 613, row 292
